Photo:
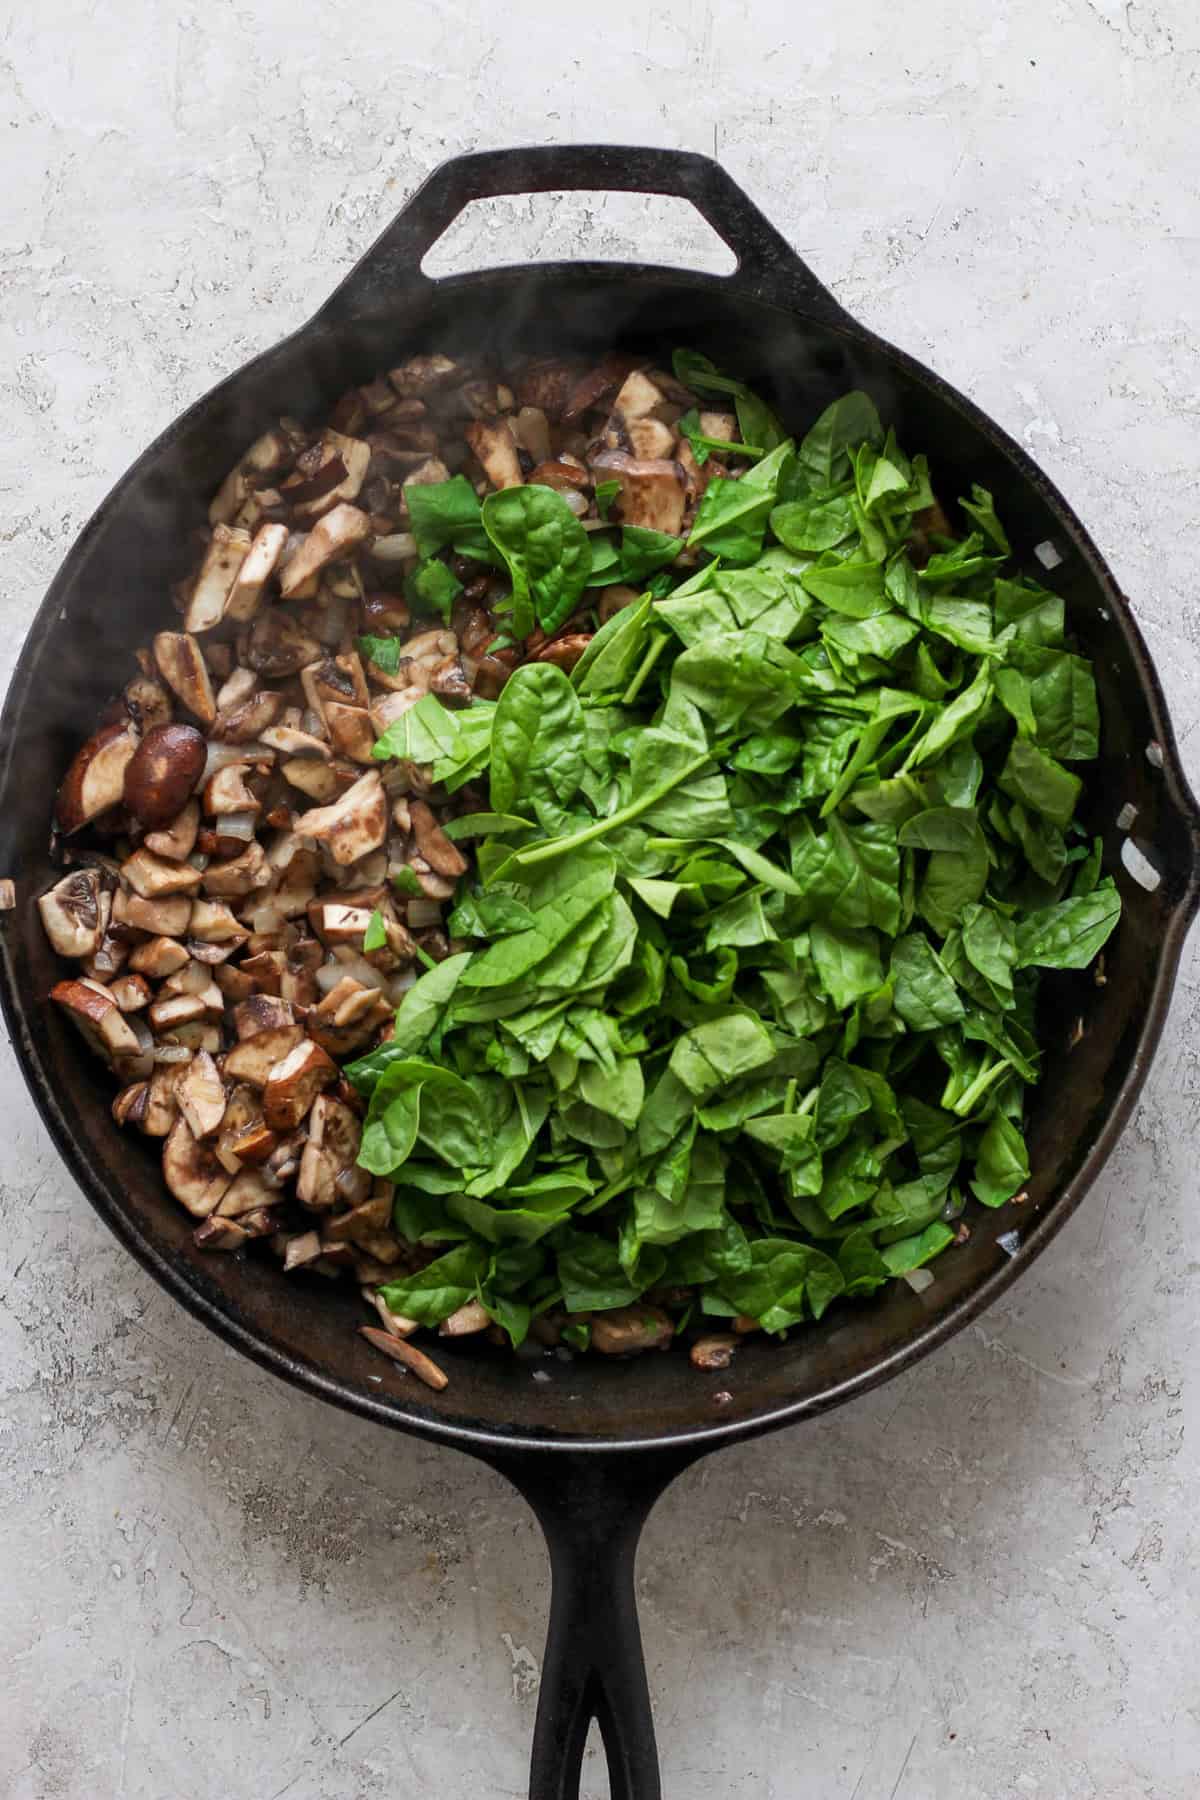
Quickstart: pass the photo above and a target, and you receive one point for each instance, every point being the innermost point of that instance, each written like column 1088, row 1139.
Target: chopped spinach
column 759, row 906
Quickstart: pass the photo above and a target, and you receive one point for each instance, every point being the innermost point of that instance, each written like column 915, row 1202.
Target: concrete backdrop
column 982, row 1581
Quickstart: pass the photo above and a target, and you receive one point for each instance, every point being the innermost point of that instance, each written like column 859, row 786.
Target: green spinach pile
column 759, row 904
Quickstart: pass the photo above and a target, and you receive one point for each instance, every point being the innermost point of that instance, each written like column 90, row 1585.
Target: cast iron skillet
column 592, row 1447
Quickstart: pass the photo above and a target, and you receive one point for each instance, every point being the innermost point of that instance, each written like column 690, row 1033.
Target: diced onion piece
column 237, row 825
column 397, row 547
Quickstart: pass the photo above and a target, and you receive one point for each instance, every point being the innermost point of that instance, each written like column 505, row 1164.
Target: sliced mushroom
column 177, row 840
column 332, row 469
column 294, row 1083
column 628, row 1329
column 155, row 877
column 200, row 1096
column 433, row 844
column 158, row 958
column 92, row 1009
column 291, row 742
column 265, row 455
column 183, row 668
column 653, row 492
column 330, row 1155
column 95, row 780
column 76, row 911
column 253, row 1059
column 241, row 875
column 496, row 450
column 262, row 559
column 353, row 825
column 422, row 1366
column 161, row 918
column 227, row 551
column 192, row 1172
column 334, row 535
column 449, row 682
column 278, row 646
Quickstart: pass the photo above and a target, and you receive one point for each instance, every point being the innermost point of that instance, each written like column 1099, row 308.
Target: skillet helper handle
column 592, row 1509
column 768, row 268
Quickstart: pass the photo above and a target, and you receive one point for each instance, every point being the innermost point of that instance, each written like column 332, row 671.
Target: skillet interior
column 112, row 594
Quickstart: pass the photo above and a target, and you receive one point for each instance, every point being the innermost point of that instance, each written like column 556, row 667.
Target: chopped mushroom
column 227, row 551
column 353, row 825
column 432, row 843
column 75, row 913
column 653, row 493
column 96, row 1014
column 262, row 559
column 95, row 781
column 200, row 1096
column 154, row 877
column 334, row 535
column 627, row 1329
column 294, row 1083
column 713, row 1352
column 253, row 1059
column 496, row 449
column 177, row 840
column 192, row 1172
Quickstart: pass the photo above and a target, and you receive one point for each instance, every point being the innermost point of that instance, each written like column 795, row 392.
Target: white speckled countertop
column 979, row 1583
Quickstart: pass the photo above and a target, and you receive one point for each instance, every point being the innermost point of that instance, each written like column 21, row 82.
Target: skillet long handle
column 768, row 267
column 592, row 1510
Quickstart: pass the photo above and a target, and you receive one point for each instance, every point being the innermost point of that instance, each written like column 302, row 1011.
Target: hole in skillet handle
column 767, row 268
column 565, row 225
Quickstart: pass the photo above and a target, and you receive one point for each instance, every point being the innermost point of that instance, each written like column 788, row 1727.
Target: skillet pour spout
column 593, row 1446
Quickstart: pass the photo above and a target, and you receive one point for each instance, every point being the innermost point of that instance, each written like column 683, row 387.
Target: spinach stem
column 625, row 815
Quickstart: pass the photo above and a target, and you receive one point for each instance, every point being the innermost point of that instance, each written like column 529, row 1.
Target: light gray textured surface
column 982, row 1581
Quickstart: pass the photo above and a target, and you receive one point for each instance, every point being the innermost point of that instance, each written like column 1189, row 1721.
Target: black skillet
column 592, row 1447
